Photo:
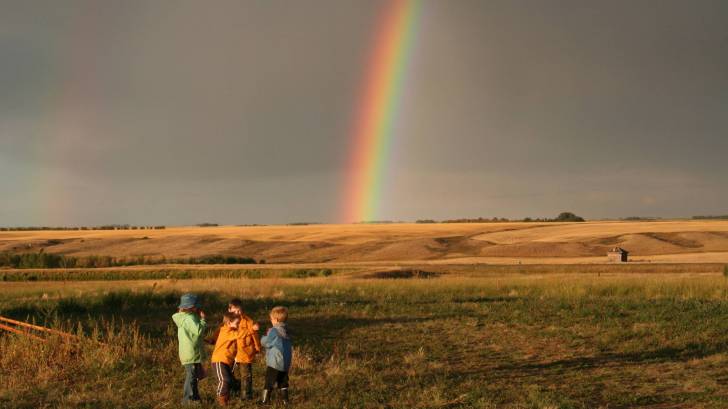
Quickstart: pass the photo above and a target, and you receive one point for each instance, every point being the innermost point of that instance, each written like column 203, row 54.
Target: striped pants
column 224, row 378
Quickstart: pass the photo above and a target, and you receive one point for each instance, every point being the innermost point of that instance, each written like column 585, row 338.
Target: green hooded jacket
column 190, row 331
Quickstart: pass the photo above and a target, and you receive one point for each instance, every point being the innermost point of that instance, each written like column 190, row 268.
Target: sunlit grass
column 510, row 340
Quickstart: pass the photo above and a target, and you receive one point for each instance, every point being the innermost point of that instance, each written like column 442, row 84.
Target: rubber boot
column 266, row 396
column 284, row 396
column 246, row 390
column 235, row 386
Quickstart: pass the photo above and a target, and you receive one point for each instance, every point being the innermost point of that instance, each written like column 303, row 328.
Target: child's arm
column 256, row 340
column 212, row 339
column 269, row 339
column 241, row 354
column 239, row 349
column 252, row 329
column 195, row 327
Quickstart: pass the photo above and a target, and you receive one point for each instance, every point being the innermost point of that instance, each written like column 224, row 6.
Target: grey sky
column 176, row 112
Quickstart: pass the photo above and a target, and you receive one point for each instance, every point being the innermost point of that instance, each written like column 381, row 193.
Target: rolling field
column 502, row 315
column 499, row 341
column 498, row 243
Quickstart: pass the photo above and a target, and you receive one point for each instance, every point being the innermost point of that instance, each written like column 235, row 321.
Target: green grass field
column 502, row 340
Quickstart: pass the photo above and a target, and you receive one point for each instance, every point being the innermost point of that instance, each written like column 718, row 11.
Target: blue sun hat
column 188, row 301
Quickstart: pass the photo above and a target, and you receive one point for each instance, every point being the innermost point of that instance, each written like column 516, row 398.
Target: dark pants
column 246, row 379
column 273, row 377
column 190, row 390
column 224, row 378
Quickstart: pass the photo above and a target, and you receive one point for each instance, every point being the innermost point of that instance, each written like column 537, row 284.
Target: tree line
column 50, row 260
column 562, row 217
column 65, row 228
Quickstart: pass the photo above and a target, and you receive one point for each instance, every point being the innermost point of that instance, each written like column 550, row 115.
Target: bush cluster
column 49, row 260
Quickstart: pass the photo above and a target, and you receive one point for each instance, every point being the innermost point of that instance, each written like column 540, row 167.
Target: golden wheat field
column 493, row 243
column 492, row 315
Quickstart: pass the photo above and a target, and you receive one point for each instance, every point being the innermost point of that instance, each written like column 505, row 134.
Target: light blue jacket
column 278, row 351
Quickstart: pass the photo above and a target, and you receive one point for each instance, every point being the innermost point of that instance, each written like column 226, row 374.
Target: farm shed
column 618, row 255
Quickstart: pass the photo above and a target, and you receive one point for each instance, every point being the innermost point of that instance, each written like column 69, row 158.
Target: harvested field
column 528, row 243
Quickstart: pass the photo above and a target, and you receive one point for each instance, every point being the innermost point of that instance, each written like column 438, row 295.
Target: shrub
column 568, row 217
column 304, row 273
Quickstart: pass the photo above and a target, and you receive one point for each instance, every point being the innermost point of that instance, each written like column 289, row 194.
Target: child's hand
column 256, row 326
column 202, row 314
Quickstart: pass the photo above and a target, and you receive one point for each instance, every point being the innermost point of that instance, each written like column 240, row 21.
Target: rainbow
column 377, row 110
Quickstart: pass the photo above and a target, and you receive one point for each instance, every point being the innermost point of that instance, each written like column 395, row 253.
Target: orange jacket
column 248, row 342
column 226, row 340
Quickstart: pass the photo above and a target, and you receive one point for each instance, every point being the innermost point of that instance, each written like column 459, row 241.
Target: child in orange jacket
column 224, row 353
column 248, row 345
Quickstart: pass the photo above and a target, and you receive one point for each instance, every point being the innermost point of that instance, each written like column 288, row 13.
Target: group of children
column 236, row 343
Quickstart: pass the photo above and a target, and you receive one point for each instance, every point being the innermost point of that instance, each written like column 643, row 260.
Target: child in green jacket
column 191, row 325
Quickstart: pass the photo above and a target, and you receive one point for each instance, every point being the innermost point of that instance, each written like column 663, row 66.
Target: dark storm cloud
column 174, row 112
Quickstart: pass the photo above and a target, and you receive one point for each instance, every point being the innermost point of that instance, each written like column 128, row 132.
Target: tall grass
column 505, row 341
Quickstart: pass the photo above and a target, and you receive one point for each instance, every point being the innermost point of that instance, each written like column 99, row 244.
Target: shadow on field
column 612, row 360
column 152, row 312
column 323, row 333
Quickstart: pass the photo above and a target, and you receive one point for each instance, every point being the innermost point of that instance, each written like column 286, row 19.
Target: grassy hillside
column 663, row 241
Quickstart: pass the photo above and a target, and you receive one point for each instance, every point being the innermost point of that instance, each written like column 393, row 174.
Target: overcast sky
column 178, row 112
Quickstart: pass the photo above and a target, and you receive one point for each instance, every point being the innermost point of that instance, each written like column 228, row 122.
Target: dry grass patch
column 506, row 341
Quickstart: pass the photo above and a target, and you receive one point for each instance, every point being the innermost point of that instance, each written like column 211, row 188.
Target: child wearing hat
column 191, row 325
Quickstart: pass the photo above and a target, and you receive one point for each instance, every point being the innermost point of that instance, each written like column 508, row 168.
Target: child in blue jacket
column 278, row 355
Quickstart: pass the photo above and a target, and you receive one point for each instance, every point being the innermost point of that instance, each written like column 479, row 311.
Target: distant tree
column 568, row 217
column 719, row 217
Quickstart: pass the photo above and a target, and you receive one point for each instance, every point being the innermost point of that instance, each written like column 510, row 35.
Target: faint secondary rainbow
column 67, row 114
column 377, row 110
